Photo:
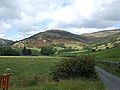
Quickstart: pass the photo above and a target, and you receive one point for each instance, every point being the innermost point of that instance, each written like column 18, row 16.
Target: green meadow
column 33, row 73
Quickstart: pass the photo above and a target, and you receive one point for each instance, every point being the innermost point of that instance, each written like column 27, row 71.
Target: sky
column 22, row 18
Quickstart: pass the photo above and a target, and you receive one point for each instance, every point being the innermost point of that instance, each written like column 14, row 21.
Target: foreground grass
column 66, row 85
column 29, row 67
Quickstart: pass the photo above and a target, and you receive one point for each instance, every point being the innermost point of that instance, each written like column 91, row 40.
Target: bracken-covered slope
column 51, row 37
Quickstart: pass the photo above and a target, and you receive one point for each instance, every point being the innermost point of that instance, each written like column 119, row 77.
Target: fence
column 4, row 80
column 111, row 64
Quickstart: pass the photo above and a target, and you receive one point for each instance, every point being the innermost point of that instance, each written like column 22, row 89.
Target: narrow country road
column 110, row 81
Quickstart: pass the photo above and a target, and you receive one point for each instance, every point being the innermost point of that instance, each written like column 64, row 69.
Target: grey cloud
column 107, row 14
column 9, row 3
column 98, row 23
column 6, row 14
column 109, row 11
column 88, row 23
column 9, row 9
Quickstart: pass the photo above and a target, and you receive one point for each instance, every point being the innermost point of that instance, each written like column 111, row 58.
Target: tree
column 24, row 51
column 99, row 49
column 8, row 51
column 107, row 47
column 29, row 52
column 47, row 50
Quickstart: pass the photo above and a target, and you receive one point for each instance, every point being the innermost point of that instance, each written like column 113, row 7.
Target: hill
column 52, row 37
column 5, row 41
column 103, row 37
column 104, row 33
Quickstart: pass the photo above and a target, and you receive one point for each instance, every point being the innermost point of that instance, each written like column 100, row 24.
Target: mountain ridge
column 55, row 36
column 103, row 33
column 5, row 41
column 50, row 37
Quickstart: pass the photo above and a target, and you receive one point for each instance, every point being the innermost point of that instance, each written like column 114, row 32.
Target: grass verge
column 112, row 70
column 66, row 85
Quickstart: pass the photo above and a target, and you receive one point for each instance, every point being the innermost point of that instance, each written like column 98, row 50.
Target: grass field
column 25, row 70
column 112, row 54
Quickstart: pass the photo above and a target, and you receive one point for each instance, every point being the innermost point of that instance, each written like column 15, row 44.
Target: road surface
column 110, row 81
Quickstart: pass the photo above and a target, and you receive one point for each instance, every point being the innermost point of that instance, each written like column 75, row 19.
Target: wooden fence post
column 4, row 81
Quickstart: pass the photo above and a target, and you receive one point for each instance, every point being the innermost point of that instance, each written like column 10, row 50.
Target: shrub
column 93, row 50
column 47, row 50
column 74, row 68
column 99, row 49
column 107, row 47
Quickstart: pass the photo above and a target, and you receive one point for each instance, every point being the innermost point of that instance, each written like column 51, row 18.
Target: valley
column 31, row 60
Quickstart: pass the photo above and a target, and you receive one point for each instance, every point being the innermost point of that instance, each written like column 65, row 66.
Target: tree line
column 9, row 51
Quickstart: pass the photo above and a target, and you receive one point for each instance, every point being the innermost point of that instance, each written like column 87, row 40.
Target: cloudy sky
column 22, row 18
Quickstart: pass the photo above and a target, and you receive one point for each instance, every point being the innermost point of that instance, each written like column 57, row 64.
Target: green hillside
column 103, row 37
column 103, row 33
column 110, row 54
column 55, row 37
